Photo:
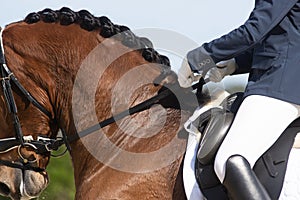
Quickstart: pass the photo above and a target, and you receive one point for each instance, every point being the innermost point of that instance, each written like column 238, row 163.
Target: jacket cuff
column 200, row 60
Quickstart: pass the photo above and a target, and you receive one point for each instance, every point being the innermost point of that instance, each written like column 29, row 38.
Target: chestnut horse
column 84, row 69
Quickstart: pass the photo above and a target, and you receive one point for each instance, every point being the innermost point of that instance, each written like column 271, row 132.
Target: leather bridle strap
column 11, row 104
column 8, row 75
column 20, row 166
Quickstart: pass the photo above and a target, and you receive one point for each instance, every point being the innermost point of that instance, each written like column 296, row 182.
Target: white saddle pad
column 190, row 184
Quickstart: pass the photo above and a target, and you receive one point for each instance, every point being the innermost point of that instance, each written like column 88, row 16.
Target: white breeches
column 259, row 122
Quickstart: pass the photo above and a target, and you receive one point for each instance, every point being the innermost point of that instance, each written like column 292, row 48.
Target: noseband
column 41, row 145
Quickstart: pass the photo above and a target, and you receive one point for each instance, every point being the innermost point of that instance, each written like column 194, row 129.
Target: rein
column 135, row 109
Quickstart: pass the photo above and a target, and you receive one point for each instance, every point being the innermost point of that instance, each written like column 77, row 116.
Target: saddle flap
column 213, row 135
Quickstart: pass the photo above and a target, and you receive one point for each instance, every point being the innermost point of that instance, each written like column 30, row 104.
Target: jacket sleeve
column 264, row 17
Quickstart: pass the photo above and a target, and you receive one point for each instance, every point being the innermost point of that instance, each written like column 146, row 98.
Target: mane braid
column 65, row 16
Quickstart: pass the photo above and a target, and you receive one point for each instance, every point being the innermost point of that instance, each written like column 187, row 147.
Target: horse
column 77, row 70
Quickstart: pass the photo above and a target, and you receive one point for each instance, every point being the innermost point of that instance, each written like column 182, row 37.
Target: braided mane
column 65, row 16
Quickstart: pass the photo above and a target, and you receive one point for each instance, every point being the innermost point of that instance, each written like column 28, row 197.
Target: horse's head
column 25, row 132
column 45, row 52
column 28, row 128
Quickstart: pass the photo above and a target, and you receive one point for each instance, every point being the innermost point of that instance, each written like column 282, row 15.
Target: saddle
column 270, row 167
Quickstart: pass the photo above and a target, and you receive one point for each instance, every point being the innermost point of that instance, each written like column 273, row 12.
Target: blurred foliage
column 61, row 185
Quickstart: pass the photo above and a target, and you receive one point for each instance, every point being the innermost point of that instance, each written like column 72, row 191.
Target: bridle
column 41, row 145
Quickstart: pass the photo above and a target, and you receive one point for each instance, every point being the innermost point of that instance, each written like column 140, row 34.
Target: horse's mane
column 65, row 16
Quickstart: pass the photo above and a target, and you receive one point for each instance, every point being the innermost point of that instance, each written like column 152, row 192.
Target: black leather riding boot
column 241, row 182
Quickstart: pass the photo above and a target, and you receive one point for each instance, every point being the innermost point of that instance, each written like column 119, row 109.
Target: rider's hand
column 185, row 75
column 223, row 68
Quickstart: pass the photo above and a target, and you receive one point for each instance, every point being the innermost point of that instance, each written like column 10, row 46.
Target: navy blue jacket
column 267, row 46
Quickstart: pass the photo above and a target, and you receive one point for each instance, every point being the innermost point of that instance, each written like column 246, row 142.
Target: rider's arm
column 264, row 17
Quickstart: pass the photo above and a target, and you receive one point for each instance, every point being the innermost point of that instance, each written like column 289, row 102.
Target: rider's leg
column 241, row 182
column 258, row 124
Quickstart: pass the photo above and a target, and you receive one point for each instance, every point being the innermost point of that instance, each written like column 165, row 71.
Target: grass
column 61, row 184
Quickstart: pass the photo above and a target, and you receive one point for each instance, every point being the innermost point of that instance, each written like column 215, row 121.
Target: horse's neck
column 111, row 159
column 130, row 151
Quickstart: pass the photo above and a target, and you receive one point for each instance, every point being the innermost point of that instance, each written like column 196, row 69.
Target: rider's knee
column 220, row 165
